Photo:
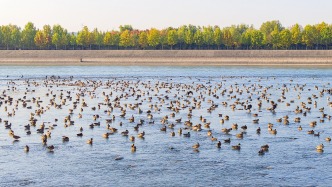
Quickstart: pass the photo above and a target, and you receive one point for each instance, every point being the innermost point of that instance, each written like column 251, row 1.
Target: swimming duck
column 90, row 141
column 227, row 140
column 255, row 120
column 50, row 148
column 234, row 126
column 213, row 138
column 311, row 132
column 219, row 144
column 141, row 135
column 196, row 146
column 180, row 131
column 133, row 148
column 236, row 147
column 320, row 147
column 197, row 127
column 261, row 152
column 11, row 132
column 125, row 133
column 258, row 130
column 44, row 139
column 163, row 129
column 186, row 135
column 265, row 147
column 225, row 130
column 273, row 131
column 313, row 123
column 26, row 148
column 209, row 133
column 106, row 135
column 113, row 130
column 65, row 138
column 178, row 120
column 239, row 135
column 171, row 126
column 16, row 137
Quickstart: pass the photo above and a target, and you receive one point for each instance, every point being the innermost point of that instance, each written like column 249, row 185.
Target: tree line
column 270, row 35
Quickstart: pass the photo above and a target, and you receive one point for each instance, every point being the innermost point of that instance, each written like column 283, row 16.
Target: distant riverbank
column 166, row 58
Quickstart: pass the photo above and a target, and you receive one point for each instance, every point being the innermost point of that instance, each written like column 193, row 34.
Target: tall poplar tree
column 28, row 35
column 172, row 38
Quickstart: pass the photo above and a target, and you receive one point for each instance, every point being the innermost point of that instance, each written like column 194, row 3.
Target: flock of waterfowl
column 174, row 107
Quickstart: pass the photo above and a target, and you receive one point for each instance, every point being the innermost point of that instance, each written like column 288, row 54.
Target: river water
column 162, row 160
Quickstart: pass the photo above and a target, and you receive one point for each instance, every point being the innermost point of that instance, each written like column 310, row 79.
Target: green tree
column 59, row 37
column 72, row 40
column 242, row 28
column 65, row 39
column 143, row 40
column 198, row 37
column 181, row 35
column 235, row 35
column 39, row 39
column 267, row 28
column 56, row 40
column 246, row 38
column 153, row 37
column 116, row 39
column 163, row 38
column 97, row 38
column 135, row 39
column 318, row 37
column 125, row 27
column 125, row 39
column 6, row 35
column 208, row 36
column 326, row 36
column 275, row 38
column 112, row 39
column 285, row 38
column 47, row 34
column 15, row 36
column 309, row 35
column 217, row 38
column 83, row 37
column 43, row 38
column 1, row 36
column 107, row 39
column 257, row 39
column 172, row 38
column 28, row 35
column 227, row 37
column 296, row 35
column 189, row 37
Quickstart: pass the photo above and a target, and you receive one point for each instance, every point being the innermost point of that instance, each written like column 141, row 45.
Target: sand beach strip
column 166, row 57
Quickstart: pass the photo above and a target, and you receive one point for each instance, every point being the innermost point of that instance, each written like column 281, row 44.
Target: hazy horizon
column 145, row 14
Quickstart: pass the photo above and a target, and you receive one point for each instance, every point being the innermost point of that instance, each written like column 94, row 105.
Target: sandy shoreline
column 165, row 58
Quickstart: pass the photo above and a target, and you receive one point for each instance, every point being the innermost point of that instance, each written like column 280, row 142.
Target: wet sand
column 166, row 58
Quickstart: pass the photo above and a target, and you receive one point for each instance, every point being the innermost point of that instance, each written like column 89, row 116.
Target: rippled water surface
column 160, row 159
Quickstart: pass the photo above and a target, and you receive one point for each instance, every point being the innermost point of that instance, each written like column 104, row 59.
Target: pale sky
column 144, row 14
